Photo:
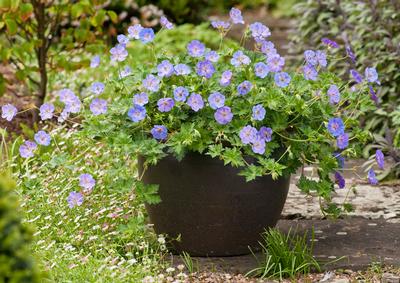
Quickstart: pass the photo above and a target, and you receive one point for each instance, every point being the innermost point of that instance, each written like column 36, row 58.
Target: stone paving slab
column 370, row 202
column 359, row 240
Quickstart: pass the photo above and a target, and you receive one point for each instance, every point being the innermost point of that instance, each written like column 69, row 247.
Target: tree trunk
column 41, row 53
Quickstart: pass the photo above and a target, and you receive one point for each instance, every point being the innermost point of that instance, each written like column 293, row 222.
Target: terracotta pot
column 215, row 211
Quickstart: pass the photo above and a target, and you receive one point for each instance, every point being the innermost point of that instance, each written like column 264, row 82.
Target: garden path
column 368, row 235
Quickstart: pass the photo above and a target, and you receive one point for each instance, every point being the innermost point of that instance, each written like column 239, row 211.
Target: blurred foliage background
column 371, row 29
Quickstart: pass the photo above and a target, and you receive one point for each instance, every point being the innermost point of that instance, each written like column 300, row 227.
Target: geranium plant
column 230, row 104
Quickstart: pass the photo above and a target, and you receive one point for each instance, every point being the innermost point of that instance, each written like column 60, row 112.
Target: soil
column 16, row 94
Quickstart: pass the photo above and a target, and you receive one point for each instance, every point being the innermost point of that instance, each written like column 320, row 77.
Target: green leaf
column 251, row 172
column 233, row 156
column 11, row 25
column 215, row 150
column 322, row 187
column 99, row 18
column 2, row 85
column 148, row 193
column 113, row 16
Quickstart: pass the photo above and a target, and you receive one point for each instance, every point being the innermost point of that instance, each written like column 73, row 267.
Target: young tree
column 39, row 36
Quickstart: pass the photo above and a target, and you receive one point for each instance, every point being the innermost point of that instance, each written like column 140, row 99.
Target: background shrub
column 371, row 29
column 16, row 265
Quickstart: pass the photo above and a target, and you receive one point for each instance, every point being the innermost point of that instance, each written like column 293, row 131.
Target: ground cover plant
column 107, row 239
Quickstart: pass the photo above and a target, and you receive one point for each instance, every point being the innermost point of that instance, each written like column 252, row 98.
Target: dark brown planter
column 215, row 211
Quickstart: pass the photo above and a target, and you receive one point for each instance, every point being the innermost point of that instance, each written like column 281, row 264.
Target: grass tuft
column 285, row 255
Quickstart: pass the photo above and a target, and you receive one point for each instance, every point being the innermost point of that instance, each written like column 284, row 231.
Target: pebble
column 341, row 233
column 390, row 278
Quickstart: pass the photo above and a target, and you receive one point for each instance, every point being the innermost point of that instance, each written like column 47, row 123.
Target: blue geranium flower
column 258, row 145
column 261, row 70
column 351, row 54
column 159, row 132
column 146, row 35
column 282, row 79
column 265, row 133
column 125, row 72
column 335, row 127
column 165, row 23
column 268, row 48
column 223, row 115
column 98, row 106
column 87, row 182
column 310, row 57
column 216, row 100
column 275, row 63
column 380, row 159
column 133, row 31
column 244, row 88
column 226, row 77
column 374, row 97
column 340, row 180
column 372, row 177
column 95, row 61
column 205, row 69
column 239, row 59
column 221, row 26
column 258, row 112
column 122, row 39
column 333, row 94
column 236, row 16
column 71, row 101
column 342, row 141
column 195, row 48
column 212, row 56
column 151, row 83
column 195, row 101
column 165, row 69
column 118, row 53
column 248, row 134
column 330, row 43
column 181, row 93
column 141, row 99
column 321, row 58
column 137, row 113
column 310, row 73
column 182, row 70
column 259, row 31
column 8, row 112
column 356, row 76
column 371, row 75
column 74, row 199
column 165, row 104
column 46, row 111
column 97, row 88
column 42, row 138
column 27, row 149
